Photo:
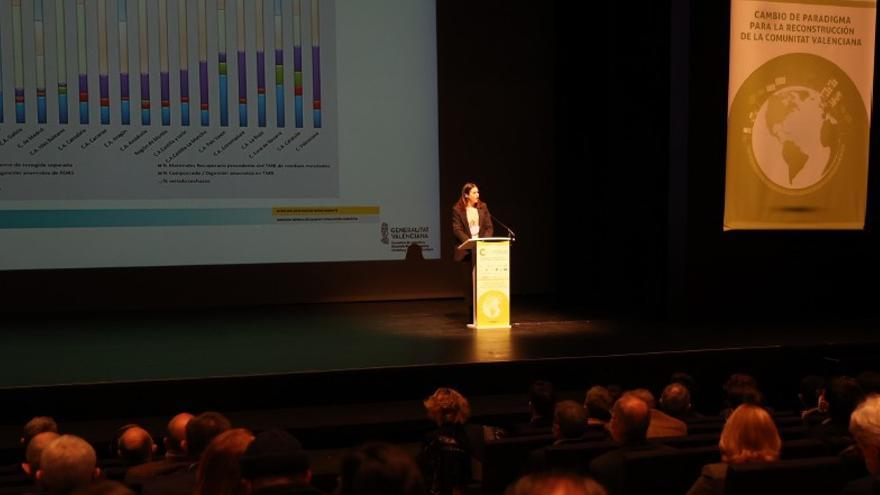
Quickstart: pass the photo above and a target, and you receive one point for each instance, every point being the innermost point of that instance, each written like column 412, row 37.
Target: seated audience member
column 865, row 428
column 275, row 463
column 840, row 398
column 662, row 424
column 555, row 484
column 104, row 487
column 811, row 388
column 34, row 450
column 175, row 457
column 200, row 431
column 685, row 379
column 446, row 452
column 748, row 436
column 542, row 400
column 630, row 418
column 37, row 425
column 616, row 392
column 380, row 469
column 219, row 471
column 569, row 426
column 676, row 402
column 135, row 446
column 740, row 389
column 598, row 404
column 68, row 463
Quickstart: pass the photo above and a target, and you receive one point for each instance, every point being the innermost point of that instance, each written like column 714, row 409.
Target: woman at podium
column 470, row 218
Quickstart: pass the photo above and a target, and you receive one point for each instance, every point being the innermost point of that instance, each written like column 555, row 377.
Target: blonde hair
column 219, row 471
column 749, row 435
column 446, row 405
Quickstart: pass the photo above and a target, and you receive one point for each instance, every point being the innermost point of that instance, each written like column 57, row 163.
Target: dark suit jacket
column 463, row 231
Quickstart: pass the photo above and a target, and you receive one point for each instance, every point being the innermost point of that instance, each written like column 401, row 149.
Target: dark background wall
column 599, row 136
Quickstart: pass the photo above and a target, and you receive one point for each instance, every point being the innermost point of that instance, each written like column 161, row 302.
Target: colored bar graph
column 60, row 62
column 124, row 78
column 103, row 68
column 221, row 63
column 261, row 66
column 183, row 52
column 164, row 78
column 40, row 56
column 33, row 60
column 203, row 62
column 241, row 66
column 1, row 80
column 144, row 46
column 82, row 62
column 316, row 65
column 17, row 48
column 279, row 66
column 297, row 64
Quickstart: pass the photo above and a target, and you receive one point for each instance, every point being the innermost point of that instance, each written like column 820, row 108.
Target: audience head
column 683, row 378
column 555, row 484
column 742, row 389
column 275, row 457
column 105, row 487
column 749, row 435
column 810, row 389
column 135, row 445
column 645, row 395
column 34, row 450
column 630, row 418
column 201, row 429
column 175, row 434
column 380, row 469
column 865, row 428
column 842, row 395
column 598, row 403
column 446, row 405
column 542, row 398
column 66, row 464
column 676, row 400
column 37, row 425
column 569, row 420
column 219, row 472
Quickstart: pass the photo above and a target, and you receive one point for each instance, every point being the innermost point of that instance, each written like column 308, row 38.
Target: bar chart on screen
column 148, row 131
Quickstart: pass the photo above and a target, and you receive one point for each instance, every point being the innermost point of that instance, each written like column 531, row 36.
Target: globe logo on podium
column 493, row 305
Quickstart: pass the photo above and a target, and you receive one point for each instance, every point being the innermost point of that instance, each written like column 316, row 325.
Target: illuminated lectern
column 490, row 258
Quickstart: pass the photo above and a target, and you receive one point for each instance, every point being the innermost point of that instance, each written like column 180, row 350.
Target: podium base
column 474, row 326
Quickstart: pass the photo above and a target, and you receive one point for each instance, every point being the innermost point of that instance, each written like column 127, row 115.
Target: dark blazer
column 463, row 231
column 608, row 467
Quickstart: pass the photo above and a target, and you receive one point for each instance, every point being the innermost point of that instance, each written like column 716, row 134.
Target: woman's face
column 473, row 196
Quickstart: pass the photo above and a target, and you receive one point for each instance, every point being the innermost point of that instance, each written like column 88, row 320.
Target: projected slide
column 262, row 144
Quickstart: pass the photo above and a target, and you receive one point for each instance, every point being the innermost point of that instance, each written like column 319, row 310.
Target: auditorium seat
column 815, row 475
column 665, row 472
column 504, row 459
column 575, row 457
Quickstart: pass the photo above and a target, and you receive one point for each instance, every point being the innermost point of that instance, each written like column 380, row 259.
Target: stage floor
column 41, row 350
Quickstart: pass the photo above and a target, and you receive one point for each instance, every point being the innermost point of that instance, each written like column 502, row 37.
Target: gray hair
column 66, row 464
column 864, row 424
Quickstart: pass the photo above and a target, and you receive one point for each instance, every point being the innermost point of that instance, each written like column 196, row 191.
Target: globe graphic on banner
column 793, row 136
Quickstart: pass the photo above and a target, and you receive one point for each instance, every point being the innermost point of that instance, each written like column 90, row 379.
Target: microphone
column 509, row 232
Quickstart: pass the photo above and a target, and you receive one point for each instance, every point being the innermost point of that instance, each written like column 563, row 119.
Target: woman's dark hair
column 462, row 199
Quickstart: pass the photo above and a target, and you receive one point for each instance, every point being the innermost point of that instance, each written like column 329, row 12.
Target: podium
column 490, row 274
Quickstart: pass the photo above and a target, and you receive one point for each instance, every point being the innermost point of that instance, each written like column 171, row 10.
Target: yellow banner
column 493, row 284
column 799, row 99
